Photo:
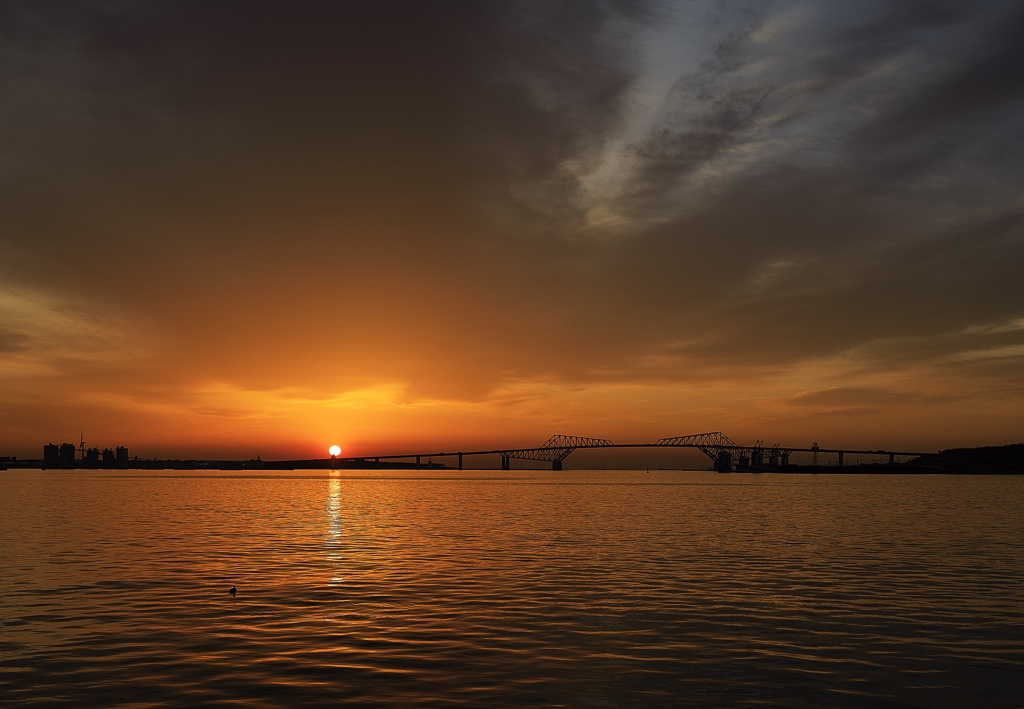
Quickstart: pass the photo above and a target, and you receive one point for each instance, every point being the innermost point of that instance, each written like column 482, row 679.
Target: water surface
column 510, row 588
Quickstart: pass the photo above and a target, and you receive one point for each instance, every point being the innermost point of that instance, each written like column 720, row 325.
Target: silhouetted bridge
column 726, row 454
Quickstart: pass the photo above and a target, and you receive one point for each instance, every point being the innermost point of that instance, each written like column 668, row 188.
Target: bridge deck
column 531, row 453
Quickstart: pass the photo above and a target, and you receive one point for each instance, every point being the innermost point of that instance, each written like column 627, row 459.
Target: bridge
column 725, row 454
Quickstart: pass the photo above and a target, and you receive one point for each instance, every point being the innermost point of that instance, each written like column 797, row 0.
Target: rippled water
column 582, row 588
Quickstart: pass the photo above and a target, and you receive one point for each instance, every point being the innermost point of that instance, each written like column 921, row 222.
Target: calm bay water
column 578, row 588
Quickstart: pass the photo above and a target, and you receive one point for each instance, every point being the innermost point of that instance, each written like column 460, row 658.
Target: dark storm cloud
column 208, row 102
column 820, row 239
column 205, row 97
column 777, row 281
column 670, row 153
column 991, row 78
column 814, row 80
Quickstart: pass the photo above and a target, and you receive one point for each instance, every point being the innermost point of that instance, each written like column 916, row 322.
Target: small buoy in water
column 232, row 591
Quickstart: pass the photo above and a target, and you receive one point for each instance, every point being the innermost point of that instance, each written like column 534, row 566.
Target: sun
column 334, row 450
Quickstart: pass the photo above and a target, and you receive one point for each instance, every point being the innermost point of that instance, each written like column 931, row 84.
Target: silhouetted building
column 107, row 460
column 67, row 455
column 92, row 458
column 122, row 457
column 51, row 456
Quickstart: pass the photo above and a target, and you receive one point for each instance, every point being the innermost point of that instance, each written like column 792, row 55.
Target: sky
column 230, row 229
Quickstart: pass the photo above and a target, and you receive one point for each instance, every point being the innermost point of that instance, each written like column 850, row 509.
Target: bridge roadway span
column 725, row 453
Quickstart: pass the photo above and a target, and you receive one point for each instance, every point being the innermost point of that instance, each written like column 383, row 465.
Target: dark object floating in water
column 232, row 591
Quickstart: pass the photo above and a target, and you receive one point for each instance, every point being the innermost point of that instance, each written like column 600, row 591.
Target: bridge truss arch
column 722, row 450
column 710, row 444
column 554, row 450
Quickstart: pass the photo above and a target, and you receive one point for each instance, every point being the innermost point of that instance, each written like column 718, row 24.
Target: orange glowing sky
column 230, row 230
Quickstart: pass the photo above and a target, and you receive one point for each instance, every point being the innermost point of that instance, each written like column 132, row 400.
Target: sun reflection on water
column 333, row 539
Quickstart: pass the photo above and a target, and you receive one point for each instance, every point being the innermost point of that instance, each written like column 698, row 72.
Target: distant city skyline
column 236, row 230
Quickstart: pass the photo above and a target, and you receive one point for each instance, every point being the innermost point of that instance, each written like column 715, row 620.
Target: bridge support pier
column 417, row 462
column 892, row 458
column 506, row 462
column 840, row 459
column 556, row 465
column 723, row 463
column 460, row 461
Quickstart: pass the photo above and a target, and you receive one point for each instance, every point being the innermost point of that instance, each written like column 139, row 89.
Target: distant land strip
column 987, row 460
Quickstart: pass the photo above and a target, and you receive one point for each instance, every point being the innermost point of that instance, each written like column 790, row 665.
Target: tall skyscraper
column 67, row 455
column 51, row 456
